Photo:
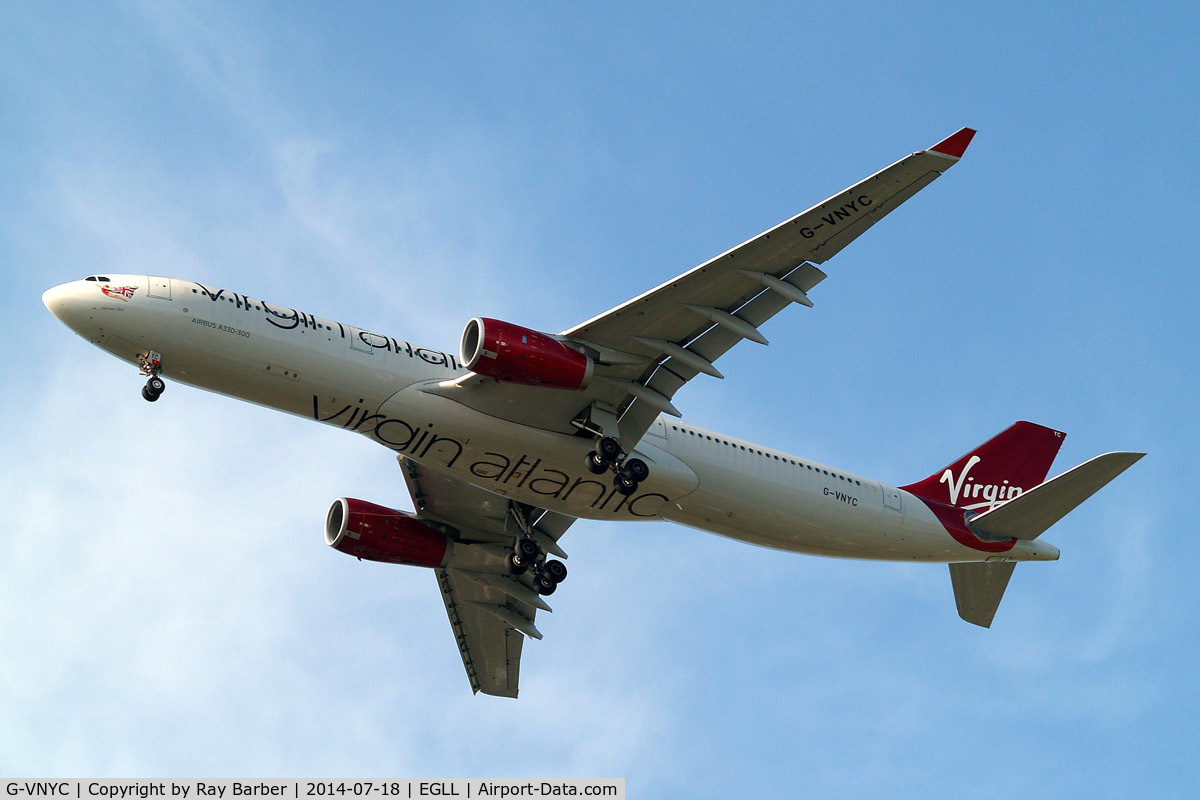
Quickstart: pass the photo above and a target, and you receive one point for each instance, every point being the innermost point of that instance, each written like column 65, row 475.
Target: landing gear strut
column 608, row 455
column 151, row 364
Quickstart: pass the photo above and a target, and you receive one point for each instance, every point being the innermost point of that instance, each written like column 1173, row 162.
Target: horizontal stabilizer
column 1028, row 515
column 979, row 588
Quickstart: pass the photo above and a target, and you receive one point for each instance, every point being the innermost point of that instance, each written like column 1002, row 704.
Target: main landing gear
column 627, row 472
column 527, row 555
column 151, row 364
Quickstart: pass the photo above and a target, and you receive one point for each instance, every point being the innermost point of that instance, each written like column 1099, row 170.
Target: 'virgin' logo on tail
column 991, row 494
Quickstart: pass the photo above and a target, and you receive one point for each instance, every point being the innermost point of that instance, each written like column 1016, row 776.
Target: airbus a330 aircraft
column 506, row 443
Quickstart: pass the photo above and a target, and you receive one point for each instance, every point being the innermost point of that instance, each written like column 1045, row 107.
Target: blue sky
column 167, row 606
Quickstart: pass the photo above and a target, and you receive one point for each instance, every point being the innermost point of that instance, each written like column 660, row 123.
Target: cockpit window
column 97, row 278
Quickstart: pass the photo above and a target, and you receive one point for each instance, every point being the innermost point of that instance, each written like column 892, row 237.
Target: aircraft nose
column 66, row 302
column 57, row 299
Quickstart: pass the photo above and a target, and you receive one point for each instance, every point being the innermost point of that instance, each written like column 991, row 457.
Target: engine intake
column 376, row 533
column 511, row 353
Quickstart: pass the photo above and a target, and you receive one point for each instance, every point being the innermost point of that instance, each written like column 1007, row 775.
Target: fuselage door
column 658, row 429
column 160, row 287
column 891, row 497
column 358, row 339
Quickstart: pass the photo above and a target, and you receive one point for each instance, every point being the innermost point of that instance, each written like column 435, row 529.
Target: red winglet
column 956, row 144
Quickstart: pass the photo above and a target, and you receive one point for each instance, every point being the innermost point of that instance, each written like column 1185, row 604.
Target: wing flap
column 670, row 376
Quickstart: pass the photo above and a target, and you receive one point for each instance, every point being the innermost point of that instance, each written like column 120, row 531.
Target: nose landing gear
column 151, row 364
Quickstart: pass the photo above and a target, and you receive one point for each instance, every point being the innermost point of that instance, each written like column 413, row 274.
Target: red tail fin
column 1008, row 464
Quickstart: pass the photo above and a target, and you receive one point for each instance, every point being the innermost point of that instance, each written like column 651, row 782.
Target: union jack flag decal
column 123, row 292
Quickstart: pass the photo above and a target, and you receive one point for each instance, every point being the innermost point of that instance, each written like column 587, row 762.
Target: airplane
column 506, row 443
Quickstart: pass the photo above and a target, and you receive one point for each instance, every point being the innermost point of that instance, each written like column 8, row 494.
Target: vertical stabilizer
column 1005, row 466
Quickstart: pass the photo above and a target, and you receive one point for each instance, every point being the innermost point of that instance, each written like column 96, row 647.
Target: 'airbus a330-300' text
column 506, row 443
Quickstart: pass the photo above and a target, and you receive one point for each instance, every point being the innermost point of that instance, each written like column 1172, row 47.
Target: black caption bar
column 307, row 790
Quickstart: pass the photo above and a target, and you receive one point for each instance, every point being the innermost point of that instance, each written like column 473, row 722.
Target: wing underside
column 490, row 646
column 490, row 611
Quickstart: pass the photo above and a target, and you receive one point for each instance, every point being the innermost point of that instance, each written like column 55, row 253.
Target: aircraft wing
column 649, row 347
column 685, row 324
column 490, row 611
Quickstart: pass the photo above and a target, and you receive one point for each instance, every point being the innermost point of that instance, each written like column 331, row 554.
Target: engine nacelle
column 511, row 353
column 365, row 530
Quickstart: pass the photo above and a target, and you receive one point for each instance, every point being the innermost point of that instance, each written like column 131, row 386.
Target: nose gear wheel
column 151, row 364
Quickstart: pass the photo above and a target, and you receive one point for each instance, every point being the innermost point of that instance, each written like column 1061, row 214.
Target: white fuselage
column 376, row 385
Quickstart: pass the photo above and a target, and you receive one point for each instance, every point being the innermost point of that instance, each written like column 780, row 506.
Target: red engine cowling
column 511, row 353
column 365, row 530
